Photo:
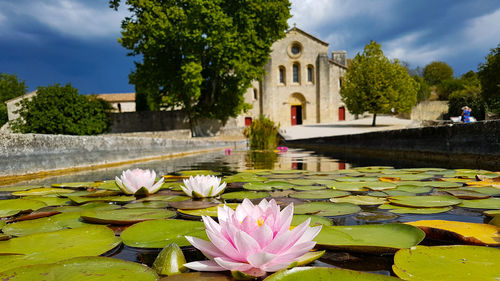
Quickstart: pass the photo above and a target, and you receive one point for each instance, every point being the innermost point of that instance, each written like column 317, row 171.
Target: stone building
column 122, row 102
column 302, row 84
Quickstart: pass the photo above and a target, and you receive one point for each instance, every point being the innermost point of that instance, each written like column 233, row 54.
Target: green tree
column 200, row 55
column 375, row 84
column 424, row 90
column 437, row 72
column 489, row 75
column 10, row 87
column 61, row 110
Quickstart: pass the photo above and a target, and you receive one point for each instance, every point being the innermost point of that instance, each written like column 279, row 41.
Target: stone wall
column 156, row 121
column 32, row 153
column 460, row 145
column 429, row 110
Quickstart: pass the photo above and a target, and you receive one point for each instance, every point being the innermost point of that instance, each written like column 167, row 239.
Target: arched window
column 255, row 94
column 282, row 75
column 296, row 73
column 310, row 74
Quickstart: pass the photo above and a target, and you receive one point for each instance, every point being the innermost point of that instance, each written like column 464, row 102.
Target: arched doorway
column 297, row 108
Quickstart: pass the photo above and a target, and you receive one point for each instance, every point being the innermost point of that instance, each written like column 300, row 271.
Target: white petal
column 259, row 259
column 204, row 266
column 232, row 265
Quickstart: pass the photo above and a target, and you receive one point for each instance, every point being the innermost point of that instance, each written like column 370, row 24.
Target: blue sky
column 61, row 41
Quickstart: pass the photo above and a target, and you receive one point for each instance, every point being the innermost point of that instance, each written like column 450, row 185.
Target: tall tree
column 375, row 84
column 200, row 55
column 10, row 87
column 489, row 75
column 437, row 72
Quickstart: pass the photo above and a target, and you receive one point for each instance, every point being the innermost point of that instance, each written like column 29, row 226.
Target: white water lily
column 138, row 181
column 203, row 186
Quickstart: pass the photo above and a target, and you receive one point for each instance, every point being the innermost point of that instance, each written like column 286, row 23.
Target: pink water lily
column 203, row 186
column 254, row 239
column 138, row 181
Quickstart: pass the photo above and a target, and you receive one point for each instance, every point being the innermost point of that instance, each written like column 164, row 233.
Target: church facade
column 302, row 83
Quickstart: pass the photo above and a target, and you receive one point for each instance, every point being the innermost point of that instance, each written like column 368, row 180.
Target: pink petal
column 231, row 265
column 294, row 252
column 210, row 224
column 286, row 217
column 245, row 244
column 309, row 234
column 205, row 246
column 224, row 246
column 263, row 235
column 204, row 266
column 275, row 267
column 259, row 259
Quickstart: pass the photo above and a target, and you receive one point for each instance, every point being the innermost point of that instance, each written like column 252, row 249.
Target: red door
column 341, row 113
column 294, row 115
column 248, row 121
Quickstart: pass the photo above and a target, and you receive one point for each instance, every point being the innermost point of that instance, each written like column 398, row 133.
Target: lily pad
column 42, row 191
column 244, row 177
column 326, row 209
column 199, row 172
column 50, row 201
column 55, row 246
column 375, row 216
column 193, row 204
column 47, row 224
column 326, row 273
column 164, row 197
column 12, row 207
column 483, row 189
column 350, row 186
column 447, row 263
column 18, row 188
column 409, row 210
column 147, row 205
column 87, row 206
column 84, row 184
column 309, row 187
column 424, row 201
column 319, row 194
column 160, row 233
column 240, row 195
column 126, row 216
column 210, row 211
column 302, row 182
column 82, row 268
column 108, row 185
column 315, row 220
column 370, row 238
column 360, row 200
column 466, row 232
column 467, row 194
column 81, row 200
column 357, row 179
column 490, row 203
column 414, row 188
column 491, row 213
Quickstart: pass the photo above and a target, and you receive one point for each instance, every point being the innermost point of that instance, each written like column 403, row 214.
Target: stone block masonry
column 474, row 145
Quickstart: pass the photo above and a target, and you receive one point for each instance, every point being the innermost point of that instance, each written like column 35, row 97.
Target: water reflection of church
column 302, row 84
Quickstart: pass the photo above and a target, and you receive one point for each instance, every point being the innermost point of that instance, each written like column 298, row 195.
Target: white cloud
column 75, row 18
column 483, row 31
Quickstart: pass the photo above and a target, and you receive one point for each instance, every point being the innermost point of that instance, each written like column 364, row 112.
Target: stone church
column 302, row 83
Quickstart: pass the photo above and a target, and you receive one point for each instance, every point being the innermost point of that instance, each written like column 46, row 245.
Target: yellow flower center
column 260, row 222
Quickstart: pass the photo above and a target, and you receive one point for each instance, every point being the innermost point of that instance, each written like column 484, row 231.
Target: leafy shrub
column 61, row 110
column 262, row 134
column 10, row 87
column 469, row 96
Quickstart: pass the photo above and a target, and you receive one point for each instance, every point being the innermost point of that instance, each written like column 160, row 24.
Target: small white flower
column 203, row 186
column 138, row 181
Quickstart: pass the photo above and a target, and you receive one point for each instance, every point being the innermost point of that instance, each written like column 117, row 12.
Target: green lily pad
column 360, row 200
column 409, row 210
column 392, row 192
column 302, row 182
column 467, row 194
column 42, row 191
column 2, row 223
column 163, row 197
column 370, row 238
column 375, row 216
column 350, row 186
column 309, row 187
column 490, row 203
column 82, row 268
column 319, row 194
column 267, row 186
column 372, row 169
column 408, row 176
column 483, row 189
column 357, row 179
column 50, row 201
column 244, row 177
column 160, row 233
column 108, row 185
column 170, row 261
column 147, row 205
column 126, row 216
column 81, row 200
column 491, row 213
column 424, row 201
column 325, row 182
column 18, row 188
column 88, row 206
column 457, row 262
column 12, row 207
column 326, row 273
column 315, row 220
column 326, row 209
column 55, row 246
column 444, row 184
column 82, row 184
column 47, row 224
column 210, row 211
column 414, row 188
column 240, row 195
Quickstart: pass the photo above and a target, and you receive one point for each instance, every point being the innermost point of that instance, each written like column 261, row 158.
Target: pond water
column 383, row 193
